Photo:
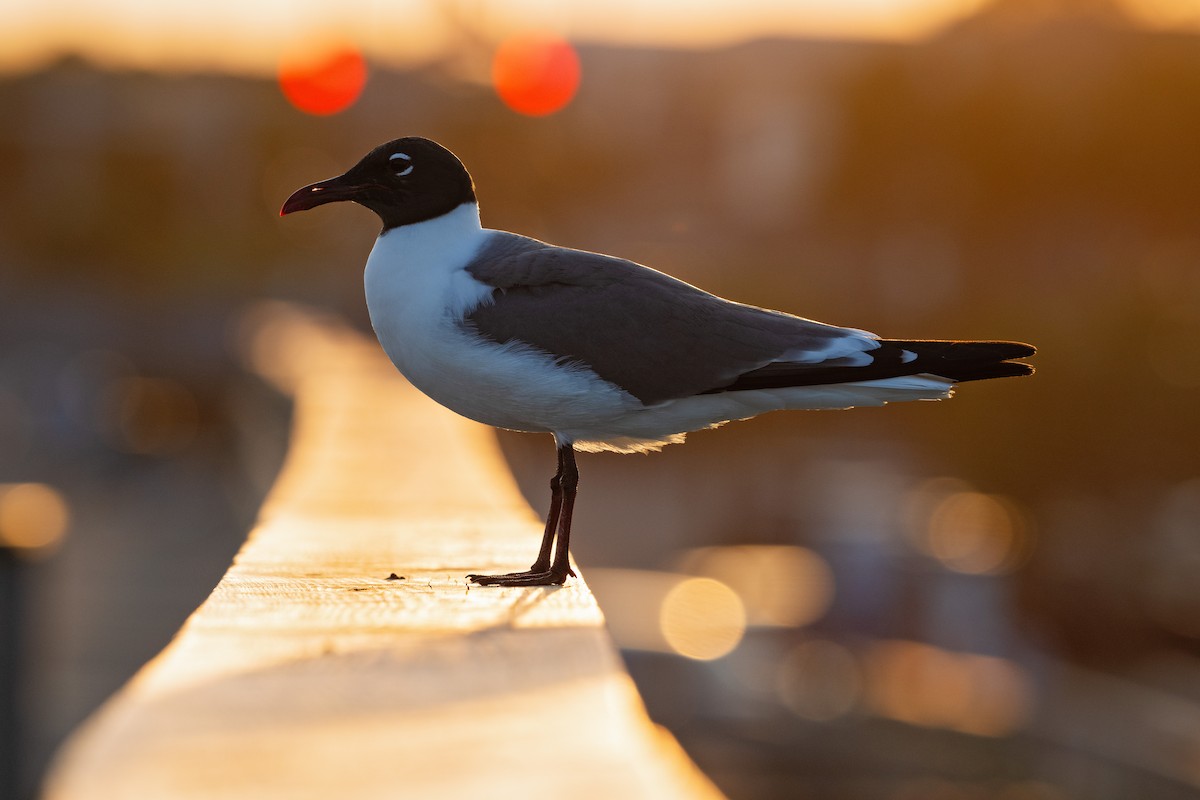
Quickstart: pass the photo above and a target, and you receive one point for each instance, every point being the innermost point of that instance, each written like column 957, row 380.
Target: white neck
column 430, row 250
column 454, row 227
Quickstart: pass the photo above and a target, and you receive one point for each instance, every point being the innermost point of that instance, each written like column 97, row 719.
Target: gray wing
column 657, row 337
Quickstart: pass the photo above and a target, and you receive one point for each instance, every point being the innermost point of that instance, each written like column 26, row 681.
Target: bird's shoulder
column 510, row 261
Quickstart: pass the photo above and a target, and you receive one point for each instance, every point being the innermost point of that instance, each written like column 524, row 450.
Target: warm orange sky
column 251, row 34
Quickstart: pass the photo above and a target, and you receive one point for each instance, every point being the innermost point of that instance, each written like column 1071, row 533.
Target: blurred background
column 993, row 597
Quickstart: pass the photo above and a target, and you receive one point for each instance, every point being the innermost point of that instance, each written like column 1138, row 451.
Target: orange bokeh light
column 324, row 82
column 535, row 74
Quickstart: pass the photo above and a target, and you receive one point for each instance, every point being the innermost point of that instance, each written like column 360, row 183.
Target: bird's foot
column 530, row 577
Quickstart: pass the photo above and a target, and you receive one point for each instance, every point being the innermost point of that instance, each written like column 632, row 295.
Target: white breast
column 418, row 291
column 415, row 279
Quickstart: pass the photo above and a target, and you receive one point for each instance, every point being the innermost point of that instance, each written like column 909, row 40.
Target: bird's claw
column 530, row 577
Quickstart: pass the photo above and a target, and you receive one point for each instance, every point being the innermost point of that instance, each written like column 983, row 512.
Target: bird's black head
column 404, row 181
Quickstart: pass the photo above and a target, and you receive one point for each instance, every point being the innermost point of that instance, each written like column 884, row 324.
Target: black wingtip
column 1013, row 350
column 970, row 360
column 953, row 360
column 957, row 350
column 979, row 372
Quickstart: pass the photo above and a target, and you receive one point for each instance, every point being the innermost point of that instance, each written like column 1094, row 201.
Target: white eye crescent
column 403, row 158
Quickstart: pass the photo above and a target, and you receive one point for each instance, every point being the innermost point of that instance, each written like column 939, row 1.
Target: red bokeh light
column 535, row 74
column 325, row 82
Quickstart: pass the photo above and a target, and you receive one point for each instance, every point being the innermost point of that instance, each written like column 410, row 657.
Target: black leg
column 558, row 526
column 569, row 478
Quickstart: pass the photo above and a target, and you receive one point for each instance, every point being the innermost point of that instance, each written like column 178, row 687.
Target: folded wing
column 661, row 339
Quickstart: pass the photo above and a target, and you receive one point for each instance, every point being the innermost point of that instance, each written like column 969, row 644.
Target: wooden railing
column 312, row 672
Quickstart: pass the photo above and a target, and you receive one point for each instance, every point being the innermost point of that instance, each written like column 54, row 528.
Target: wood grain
column 309, row 674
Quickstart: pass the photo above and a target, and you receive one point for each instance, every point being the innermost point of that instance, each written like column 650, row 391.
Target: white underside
column 417, row 292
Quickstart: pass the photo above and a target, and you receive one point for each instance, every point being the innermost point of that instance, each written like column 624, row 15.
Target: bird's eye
column 401, row 163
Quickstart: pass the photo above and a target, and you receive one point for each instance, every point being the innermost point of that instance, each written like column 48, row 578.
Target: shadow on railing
column 312, row 672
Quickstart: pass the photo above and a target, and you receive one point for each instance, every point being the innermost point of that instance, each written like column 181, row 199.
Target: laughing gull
column 603, row 353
